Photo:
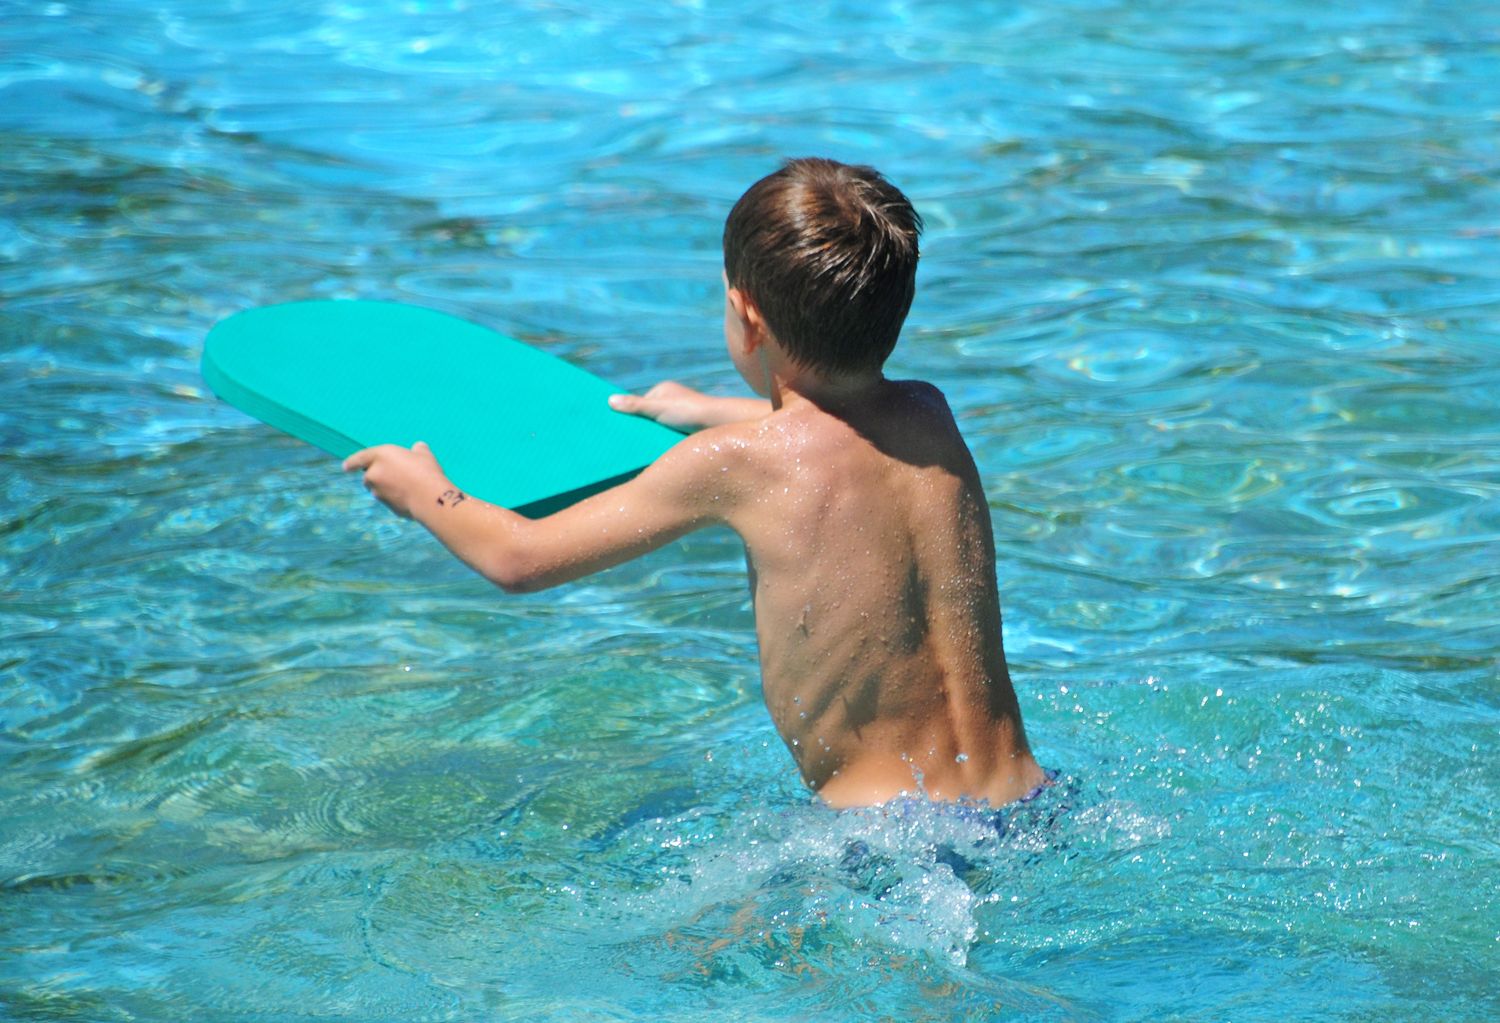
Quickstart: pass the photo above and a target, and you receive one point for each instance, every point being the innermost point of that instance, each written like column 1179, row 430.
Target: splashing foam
column 910, row 878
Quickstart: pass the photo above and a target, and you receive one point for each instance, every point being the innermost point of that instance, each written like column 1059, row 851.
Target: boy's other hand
column 400, row 477
column 669, row 403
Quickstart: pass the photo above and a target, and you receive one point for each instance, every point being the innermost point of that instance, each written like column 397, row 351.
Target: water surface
column 1213, row 291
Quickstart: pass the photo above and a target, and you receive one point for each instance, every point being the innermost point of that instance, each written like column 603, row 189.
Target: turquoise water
column 1214, row 289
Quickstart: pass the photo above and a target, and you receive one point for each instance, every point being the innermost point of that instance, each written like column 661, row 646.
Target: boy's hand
column 669, row 403
column 401, row 477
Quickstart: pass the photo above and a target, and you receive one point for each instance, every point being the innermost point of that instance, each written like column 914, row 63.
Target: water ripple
column 1213, row 297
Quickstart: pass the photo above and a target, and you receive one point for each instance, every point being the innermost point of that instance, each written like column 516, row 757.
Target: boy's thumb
column 623, row 402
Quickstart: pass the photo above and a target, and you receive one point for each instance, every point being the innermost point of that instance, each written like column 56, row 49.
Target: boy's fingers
column 359, row 460
column 363, row 459
column 366, row 458
column 624, row 403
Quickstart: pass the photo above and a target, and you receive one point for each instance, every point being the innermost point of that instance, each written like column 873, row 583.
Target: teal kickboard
column 508, row 423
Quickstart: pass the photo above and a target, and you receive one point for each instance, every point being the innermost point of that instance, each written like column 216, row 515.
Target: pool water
column 1215, row 293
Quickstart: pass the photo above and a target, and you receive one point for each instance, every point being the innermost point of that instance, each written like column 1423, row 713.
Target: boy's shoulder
column 902, row 418
column 924, row 393
column 742, row 457
column 913, row 409
column 718, row 459
column 904, row 412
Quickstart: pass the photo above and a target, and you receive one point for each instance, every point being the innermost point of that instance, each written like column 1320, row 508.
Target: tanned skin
column 870, row 553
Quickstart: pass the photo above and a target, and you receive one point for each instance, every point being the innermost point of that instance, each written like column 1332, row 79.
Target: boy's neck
column 788, row 381
column 823, row 390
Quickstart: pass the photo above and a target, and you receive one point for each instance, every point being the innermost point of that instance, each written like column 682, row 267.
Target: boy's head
column 828, row 254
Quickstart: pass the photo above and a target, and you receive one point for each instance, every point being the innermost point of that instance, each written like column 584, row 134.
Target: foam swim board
column 508, row 422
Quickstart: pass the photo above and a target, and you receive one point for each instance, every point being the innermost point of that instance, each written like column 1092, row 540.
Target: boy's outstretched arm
column 682, row 408
column 682, row 490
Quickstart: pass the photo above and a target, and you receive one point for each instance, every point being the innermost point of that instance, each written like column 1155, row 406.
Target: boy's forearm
column 486, row 537
column 493, row 541
column 686, row 409
column 722, row 411
column 666, row 500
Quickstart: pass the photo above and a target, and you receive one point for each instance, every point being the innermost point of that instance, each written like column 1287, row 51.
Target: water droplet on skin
column 962, row 758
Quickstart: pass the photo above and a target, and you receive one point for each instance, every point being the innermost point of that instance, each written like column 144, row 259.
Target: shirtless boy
column 867, row 533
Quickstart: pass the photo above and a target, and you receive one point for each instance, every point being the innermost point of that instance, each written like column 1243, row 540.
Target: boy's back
column 866, row 531
column 873, row 573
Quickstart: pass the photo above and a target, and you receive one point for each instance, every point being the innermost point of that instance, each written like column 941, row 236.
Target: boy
column 867, row 534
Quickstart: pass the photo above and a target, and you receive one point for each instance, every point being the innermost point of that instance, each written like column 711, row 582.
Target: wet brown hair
column 828, row 252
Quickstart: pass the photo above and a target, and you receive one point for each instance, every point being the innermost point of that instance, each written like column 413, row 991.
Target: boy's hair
column 828, row 253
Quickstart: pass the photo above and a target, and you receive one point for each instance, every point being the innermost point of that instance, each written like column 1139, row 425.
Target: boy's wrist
column 431, row 499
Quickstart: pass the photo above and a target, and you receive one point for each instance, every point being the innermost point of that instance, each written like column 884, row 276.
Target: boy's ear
column 749, row 316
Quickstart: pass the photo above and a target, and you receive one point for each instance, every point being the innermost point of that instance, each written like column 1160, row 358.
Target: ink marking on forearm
column 452, row 497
